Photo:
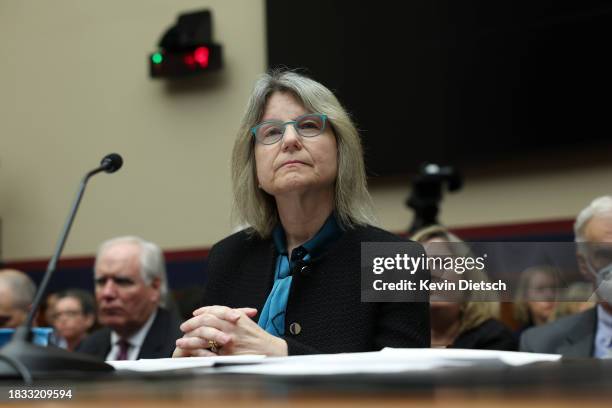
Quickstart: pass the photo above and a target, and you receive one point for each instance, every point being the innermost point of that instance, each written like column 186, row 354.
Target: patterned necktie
column 124, row 346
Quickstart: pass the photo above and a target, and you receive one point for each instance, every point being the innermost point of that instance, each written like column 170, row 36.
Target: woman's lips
column 292, row 162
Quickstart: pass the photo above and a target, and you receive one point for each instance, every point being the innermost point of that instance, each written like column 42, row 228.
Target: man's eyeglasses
column 270, row 132
column 67, row 313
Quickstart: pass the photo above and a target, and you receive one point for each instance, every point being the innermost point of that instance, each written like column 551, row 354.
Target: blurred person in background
column 17, row 292
column 131, row 291
column 463, row 323
column 579, row 298
column 589, row 333
column 47, row 310
column 73, row 317
column 535, row 298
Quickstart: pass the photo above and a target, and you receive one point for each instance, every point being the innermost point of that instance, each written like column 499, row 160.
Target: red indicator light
column 200, row 55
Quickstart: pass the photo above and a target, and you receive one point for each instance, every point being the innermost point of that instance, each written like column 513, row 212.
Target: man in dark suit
column 130, row 280
column 587, row 334
column 570, row 336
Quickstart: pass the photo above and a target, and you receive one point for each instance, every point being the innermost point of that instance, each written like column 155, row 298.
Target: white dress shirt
column 603, row 336
column 135, row 340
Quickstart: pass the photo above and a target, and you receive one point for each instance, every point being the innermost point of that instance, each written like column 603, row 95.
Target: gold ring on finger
column 213, row 346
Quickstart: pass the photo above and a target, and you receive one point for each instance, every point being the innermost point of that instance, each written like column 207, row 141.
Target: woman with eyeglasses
column 290, row 283
column 74, row 314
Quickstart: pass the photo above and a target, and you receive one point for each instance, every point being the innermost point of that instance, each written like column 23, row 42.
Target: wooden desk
column 569, row 383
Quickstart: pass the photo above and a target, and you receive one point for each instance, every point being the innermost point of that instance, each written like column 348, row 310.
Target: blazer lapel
column 99, row 344
column 105, row 346
column 154, row 340
column 256, row 279
column 580, row 338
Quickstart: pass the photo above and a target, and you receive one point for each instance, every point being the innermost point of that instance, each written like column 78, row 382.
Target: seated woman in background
column 291, row 282
column 463, row 323
column 73, row 316
column 535, row 298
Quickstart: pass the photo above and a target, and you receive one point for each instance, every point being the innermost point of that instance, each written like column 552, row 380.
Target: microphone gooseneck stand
column 20, row 357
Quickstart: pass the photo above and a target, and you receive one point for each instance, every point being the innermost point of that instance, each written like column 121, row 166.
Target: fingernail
column 235, row 315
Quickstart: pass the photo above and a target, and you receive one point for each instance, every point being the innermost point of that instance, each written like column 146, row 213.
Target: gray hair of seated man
column 20, row 285
column 600, row 205
column 152, row 262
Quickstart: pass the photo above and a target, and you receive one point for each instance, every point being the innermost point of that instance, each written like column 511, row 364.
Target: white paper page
column 388, row 360
column 344, row 363
column 165, row 364
column 513, row 358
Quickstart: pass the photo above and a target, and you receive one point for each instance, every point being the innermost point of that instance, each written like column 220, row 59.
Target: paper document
column 165, row 364
column 385, row 361
column 388, row 360
column 513, row 358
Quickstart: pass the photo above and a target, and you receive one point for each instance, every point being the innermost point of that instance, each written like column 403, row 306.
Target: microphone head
column 111, row 162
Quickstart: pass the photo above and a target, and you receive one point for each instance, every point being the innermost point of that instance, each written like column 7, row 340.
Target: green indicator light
column 157, row 58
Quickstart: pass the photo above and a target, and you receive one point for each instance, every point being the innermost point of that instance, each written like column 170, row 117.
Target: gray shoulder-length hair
column 255, row 207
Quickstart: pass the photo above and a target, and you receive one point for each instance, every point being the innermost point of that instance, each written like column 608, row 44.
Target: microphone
column 20, row 356
column 111, row 162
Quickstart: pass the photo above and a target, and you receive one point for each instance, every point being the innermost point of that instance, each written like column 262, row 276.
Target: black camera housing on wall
column 187, row 49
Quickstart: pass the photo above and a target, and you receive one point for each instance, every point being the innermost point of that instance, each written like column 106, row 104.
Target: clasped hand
column 233, row 330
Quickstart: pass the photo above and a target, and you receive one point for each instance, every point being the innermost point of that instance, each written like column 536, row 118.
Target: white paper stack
column 388, row 360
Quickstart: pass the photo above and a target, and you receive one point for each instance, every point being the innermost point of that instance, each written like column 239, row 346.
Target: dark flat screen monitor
column 457, row 82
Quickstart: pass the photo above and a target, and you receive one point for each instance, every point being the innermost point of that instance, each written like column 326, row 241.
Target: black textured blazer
column 324, row 310
column 160, row 341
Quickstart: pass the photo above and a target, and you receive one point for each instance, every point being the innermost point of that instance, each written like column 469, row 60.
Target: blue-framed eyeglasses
column 271, row 131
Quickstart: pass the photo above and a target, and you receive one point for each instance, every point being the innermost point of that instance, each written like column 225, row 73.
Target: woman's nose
column 291, row 139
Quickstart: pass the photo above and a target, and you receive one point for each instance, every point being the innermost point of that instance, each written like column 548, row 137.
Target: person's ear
column 156, row 285
column 90, row 319
column 582, row 266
